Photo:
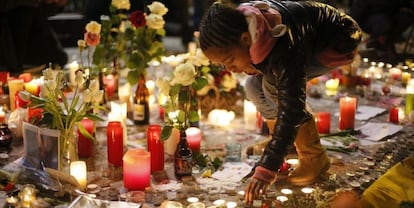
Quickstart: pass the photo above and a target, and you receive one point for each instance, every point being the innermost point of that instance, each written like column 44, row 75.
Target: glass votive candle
column 192, row 200
column 286, row 191
column 240, row 194
column 219, row 202
column 231, row 204
column 282, row 198
column 307, row 190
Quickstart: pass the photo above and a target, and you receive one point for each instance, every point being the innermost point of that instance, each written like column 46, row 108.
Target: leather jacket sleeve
column 312, row 28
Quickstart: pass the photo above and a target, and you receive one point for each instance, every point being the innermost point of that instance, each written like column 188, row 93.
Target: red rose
column 92, row 39
column 137, row 19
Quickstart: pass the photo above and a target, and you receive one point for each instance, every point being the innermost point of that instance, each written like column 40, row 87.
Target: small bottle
column 141, row 103
column 183, row 158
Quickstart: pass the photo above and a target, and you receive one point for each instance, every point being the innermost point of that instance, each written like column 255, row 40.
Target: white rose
column 48, row 74
column 200, row 59
column 93, row 27
column 158, row 8
column 94, row 86
column 229, row 82
column 155, row 21
column 87, row 96
column 185, row 74
column 203, row 91
column 44, row 92
column 163, row 85
column 79, row 78
column 51, row 84
column 98, row 96
column 121, row 4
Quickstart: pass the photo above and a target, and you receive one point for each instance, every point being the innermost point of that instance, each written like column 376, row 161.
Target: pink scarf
column 260, row 24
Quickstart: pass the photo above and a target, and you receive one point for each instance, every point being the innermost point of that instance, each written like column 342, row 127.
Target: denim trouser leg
column 255, row 93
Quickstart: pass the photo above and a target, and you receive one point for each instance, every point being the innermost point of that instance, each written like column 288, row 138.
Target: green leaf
column 183, row 96
column 166, row 132
column 84, row 132
column 181, row 116
column 161, row 32
column 193, row 116
column 132, row 77
column 199, row 83
column 175, row 90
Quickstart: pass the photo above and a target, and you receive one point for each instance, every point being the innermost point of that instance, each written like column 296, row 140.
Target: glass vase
column 68, row 148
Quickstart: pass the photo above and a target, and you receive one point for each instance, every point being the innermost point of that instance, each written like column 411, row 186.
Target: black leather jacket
column 312, row 28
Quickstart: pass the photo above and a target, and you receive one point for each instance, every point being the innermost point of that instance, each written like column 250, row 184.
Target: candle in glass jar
column 395, row 73
column 137, row 169
column 332, row 84
column 323, row 122
column 78, row 170
column 155, row 147
column 115, row 144
column 394, row 115
column 249, row 111
column 84, row 143
column 15, row 85
column 110, row 83
column 405, row 76
column 194, row 138
column 347, row 110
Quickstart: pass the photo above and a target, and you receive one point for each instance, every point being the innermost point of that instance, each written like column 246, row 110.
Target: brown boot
column 313, row 161
column 262, row 144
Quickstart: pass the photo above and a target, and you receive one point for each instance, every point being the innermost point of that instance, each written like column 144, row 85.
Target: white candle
column 78, row 170
column 124, row 94
column 221, row 117
column 250, row 113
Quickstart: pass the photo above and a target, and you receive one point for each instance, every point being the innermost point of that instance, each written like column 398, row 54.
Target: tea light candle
column 221, row 117
column 219, row 202
column 78, row 170
column 307, row 190
column 286, row 191
column 293, row 162
column 231, row 204
column 282, row 198
column 332, row 86
column 137, row 169
column 323, row 122
column 347, row 109
column 249, row 113
column 192, row 199
column 194, row 138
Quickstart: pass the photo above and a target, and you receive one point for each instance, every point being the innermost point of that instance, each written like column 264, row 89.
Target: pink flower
column 92, row 39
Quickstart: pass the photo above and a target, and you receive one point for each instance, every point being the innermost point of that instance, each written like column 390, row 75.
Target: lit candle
column 219, row 202
column 115, row 146
column 110, row 82
column 405, row 76
column 15, row 85
column 192, row 47
column 193, row 138
column 395, row 73
column 2, row 115
column 119, row 113
column 394, row 115
column 155, row 147
column 124, row 94
column 347, row 109
column 249, row 110
column 33, row 87
column 27, row 195
column 84, row 143
column 79, row 172
column 332, row 84
column 307, row 190
column 282, row 198
column 220, row 117
column 323, row 122
column 241, row 194
column 73, row 67
column 286, row 191
column 231, row 204
column 192, row 199
column 137, row 169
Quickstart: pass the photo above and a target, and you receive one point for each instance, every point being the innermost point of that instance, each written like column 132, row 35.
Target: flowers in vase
column 181, row 106
column 61, row 111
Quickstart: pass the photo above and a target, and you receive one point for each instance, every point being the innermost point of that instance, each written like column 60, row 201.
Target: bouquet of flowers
column 181, row 106
column 64, row 113
column 136, row 38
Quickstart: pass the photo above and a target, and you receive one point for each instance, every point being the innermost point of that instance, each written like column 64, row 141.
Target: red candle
column 115, row 143
column 137, row 169
column 155, row 147
column 193, row 138
column 347, row 108
column 394, row 115
column 284, row 168
column 109, row 82
column 323, row 122
column 84, row 143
